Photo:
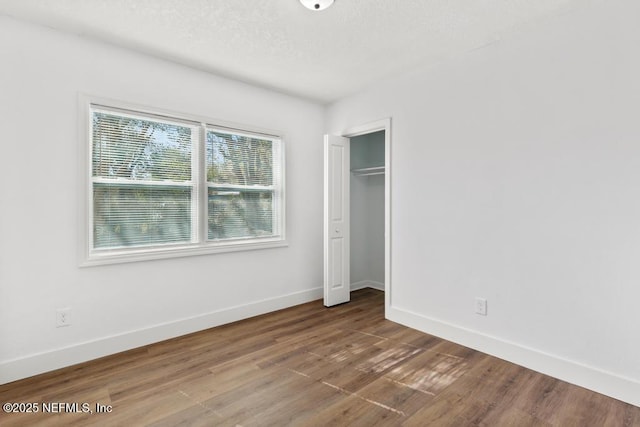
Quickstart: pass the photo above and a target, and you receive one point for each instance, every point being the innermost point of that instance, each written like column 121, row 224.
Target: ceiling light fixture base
column 317, row 5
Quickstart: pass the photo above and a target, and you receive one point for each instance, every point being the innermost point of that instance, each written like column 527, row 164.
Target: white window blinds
column 161, row 183
column 142, row 178
column 242, row 177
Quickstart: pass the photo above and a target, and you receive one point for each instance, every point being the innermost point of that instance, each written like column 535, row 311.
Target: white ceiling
column 281, row 45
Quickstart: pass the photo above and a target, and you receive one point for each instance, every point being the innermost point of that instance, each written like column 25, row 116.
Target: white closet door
column 337, row 283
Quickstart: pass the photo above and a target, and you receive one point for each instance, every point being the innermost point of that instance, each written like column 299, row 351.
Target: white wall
column 367, row 231
column 516, row 177
column 122, row 306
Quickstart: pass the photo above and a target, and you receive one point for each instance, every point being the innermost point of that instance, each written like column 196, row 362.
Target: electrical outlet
column 63, row 317
column 481, row 306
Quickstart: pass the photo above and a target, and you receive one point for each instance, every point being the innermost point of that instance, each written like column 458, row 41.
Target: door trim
column 375, row 126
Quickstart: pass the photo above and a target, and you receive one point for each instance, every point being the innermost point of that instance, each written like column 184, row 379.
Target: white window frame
column 200, row 244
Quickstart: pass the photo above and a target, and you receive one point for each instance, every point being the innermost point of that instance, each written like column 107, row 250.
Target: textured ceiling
column 281, row 45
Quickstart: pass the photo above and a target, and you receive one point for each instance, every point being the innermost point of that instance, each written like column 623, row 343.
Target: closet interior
column 367, row 186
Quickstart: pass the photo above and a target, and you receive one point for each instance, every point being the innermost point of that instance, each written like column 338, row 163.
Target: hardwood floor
column 311, row 366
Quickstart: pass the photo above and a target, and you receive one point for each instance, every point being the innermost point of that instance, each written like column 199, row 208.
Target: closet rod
column 378, row 170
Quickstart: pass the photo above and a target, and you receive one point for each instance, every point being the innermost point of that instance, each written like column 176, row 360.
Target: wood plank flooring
column 311, row 366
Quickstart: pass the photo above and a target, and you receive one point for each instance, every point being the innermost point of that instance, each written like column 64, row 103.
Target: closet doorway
column 357, row 212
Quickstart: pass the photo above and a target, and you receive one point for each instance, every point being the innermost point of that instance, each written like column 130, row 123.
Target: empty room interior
column 292, row 212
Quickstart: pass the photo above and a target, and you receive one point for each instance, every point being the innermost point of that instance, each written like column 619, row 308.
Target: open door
column 337, row 281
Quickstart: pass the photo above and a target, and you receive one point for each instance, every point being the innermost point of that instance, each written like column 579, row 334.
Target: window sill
column 147, row 254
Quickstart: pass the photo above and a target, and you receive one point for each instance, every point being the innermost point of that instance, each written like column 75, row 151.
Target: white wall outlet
column 63, row 317
column 481, row 306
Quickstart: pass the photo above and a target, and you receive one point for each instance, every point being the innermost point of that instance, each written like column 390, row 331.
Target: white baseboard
column 35, row 364
column 367, row 284
column 607, row 383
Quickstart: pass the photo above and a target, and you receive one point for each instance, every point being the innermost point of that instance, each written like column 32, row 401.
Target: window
column 162, row 185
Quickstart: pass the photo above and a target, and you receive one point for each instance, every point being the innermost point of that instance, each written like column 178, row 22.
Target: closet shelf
column 378, row 170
